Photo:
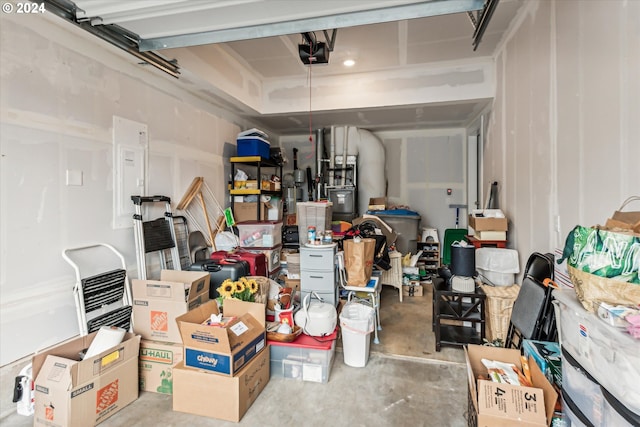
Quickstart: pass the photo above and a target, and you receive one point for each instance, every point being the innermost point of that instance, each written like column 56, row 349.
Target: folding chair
column 540, row 267
column 529, row 313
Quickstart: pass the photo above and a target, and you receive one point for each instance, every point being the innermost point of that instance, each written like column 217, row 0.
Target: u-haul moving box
column 73, row 392
column 224, row 350
column 505, row 405
column 157, row 360
column 157, row 303
column 211, row 395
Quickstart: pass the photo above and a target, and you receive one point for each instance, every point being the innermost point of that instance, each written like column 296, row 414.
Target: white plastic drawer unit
column 320, row 258
column 321, row 281
column 610, row 355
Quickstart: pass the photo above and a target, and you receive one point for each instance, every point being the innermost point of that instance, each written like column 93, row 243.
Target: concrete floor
column 405, row 383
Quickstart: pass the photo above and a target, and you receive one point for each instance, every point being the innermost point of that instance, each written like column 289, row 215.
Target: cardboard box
column 497, row 404
column 224, row 350
column 157, row 360
column 74, row 392
column 292, row 283
column 489, row 235
column 156, row 303
column 488, row 223
column 415, row 290
column 377, row 203
column 248, row 211
column 210, row 395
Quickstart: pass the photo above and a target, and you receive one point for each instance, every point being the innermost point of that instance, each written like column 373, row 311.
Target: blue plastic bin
column 253, row 146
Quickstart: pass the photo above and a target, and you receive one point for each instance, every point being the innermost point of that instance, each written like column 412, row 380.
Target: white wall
column 563, row 135
column 60, row 90
column 421, row 166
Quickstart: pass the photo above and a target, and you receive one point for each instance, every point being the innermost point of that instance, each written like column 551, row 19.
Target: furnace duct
column 372, row 177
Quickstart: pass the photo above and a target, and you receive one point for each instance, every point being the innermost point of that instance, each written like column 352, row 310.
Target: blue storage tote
column 253, row 146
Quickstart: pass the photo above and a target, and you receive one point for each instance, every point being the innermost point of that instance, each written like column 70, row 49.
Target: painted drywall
column 562, row 138
column 60, row 90
column 462, row 80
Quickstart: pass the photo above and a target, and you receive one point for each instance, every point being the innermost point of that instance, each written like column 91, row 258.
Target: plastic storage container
column 615, row 414
column 497, row 266
column 260, row 234
column 253, row 146
column 572, row 416
column 305, row 359
column 356, row 322
column 608, row 354
column 579, row 386
column 406, row 225
column 316, row 214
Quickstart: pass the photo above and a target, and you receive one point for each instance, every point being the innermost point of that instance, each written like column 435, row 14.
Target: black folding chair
column 532, row 316
column 541, row 268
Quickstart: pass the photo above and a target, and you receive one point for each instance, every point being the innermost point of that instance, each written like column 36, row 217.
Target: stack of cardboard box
column 156, row 304
column 488, row 224
column 225, row 366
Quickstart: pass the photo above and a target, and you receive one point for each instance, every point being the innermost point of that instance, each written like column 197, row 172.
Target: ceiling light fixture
column 349, row 63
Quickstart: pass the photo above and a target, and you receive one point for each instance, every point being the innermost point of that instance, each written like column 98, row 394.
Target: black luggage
column 220, row 271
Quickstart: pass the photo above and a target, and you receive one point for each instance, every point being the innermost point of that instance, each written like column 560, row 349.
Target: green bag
column 604, row 253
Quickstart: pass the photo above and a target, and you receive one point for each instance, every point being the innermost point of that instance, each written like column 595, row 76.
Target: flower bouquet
column 243, row 289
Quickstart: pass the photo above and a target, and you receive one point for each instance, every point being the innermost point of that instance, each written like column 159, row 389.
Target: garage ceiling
column 381, row 35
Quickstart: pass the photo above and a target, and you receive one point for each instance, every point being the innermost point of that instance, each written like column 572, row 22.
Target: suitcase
column 220, row 271
column 257, row 261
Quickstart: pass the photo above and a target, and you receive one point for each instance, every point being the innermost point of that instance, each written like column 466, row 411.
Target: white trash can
column 497, row 266
column 356, row 322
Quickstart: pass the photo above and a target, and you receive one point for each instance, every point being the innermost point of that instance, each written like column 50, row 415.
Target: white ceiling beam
column 342, row 20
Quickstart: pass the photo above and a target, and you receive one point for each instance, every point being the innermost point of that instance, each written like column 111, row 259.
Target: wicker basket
column 499, row 304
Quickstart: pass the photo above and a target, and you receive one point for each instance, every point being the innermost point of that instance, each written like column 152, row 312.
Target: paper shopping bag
column 358, row 260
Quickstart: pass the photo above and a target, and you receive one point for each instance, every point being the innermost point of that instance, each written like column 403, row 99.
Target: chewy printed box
column 223, row 349
column 500, row 404
column 157, row 303
column 73, row 392
column 157, row 360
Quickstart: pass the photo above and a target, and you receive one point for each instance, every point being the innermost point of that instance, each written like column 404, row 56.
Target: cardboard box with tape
column 223, row 349
column 157, row 303
column 70, row 391
column 500, row 404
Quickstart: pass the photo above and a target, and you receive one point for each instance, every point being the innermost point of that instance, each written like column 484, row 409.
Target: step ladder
column 154, row 236
column 101, row 292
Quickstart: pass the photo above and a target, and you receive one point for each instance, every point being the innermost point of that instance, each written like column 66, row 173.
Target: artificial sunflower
column 227, row 289
column 242, row 289
column 239, row 287
column 253, row 286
